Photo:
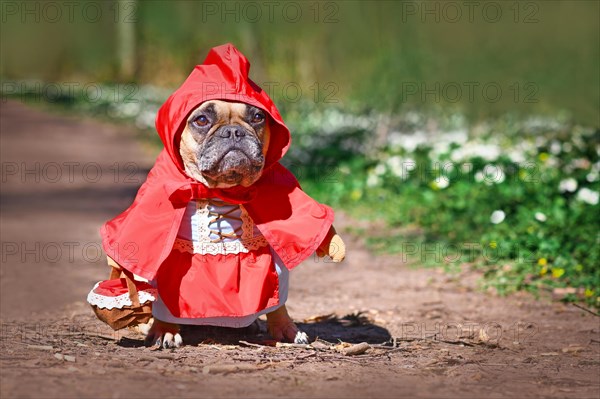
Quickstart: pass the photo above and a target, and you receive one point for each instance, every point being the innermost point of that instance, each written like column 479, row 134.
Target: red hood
column 222, row 76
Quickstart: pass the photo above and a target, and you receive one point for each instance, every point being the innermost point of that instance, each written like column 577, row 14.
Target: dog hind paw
column 163, row 336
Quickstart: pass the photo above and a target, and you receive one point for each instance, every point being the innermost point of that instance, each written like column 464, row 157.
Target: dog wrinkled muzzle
column 231, row 155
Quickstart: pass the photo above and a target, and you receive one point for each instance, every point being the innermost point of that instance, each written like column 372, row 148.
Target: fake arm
column 332, row 246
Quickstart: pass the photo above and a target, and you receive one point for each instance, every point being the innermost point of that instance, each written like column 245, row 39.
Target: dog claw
column 168, row 340
column 171, row 340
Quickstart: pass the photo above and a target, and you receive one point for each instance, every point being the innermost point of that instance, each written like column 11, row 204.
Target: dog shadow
column 353, row 328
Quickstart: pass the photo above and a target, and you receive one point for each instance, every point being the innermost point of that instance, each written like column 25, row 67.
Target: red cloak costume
column 141, row 238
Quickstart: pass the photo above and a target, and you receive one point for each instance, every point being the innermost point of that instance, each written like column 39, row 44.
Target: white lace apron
column 211, row 227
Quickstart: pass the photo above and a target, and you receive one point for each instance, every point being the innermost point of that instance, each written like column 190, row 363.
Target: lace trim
column 220, row 248
column 209, row 213
column 120, row 301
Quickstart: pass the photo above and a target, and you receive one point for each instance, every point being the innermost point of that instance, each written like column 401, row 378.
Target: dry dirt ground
column 430, row 334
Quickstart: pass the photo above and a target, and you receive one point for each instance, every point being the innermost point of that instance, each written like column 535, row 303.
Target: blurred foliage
column 521, row 206
column 368, row 52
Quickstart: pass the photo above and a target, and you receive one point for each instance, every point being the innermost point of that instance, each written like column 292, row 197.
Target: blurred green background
column 368, row 50
column 470, row 126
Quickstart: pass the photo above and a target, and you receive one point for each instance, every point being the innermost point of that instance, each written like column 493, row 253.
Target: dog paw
column 283, row 329
column 301, row 338
column 163, row 336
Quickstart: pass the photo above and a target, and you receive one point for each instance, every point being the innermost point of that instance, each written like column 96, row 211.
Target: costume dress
column 216, row 256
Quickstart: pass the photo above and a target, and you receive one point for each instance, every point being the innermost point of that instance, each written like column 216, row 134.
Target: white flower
column 409, row 164
column 400, row 167
column 588, row 196
column 492, row 174
column 555, row 147
column 592, row 177
column 373, row 180
column 379, row 169
column 540, row 217
column 497, row 216
column 489, row 152
column 479, row 177
column 409, row 142
column 447, row 166
column 567, row 185
column 517, row 156
column 441, row 182
column 394, row 163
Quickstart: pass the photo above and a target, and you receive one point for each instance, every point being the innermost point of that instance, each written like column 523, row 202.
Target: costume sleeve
column 136, row 238
column 293, row 223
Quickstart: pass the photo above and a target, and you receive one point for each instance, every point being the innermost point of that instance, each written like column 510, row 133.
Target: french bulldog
column 224, row 144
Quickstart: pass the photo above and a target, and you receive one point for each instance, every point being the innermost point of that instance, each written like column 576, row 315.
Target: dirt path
column 440, row 336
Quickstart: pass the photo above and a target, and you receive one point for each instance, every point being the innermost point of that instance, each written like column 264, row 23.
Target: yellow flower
column 523, row 174
column 589, row 293
column 493, row 244
column 543, row 271
column 557, row 272
column 543, row 156
column 542, row 261
column 355, row 195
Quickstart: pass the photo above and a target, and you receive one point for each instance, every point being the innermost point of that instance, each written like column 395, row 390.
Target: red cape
column 294, row 224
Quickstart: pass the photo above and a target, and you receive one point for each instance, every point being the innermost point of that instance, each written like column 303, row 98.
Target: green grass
column 439, row 213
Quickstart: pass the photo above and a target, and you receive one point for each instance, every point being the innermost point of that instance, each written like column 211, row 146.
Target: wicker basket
column 121, row 301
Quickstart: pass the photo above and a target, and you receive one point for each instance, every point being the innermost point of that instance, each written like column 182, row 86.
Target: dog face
column 224, row 144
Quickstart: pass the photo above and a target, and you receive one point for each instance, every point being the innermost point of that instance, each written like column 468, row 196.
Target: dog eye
column 258, row 117
column 201, row 121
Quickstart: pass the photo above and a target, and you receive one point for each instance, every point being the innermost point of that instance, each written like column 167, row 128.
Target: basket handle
column 133, row 292
column 115, row 269
column 115, row 273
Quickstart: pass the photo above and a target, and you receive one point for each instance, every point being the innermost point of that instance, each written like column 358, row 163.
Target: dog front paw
column 163, row 335
column 301, row 338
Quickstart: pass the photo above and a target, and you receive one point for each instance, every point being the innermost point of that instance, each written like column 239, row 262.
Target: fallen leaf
column 232, row 368
column 483, row 336
column 357, row 349
column 341, row 346
column 319, row 318
column 573, row 349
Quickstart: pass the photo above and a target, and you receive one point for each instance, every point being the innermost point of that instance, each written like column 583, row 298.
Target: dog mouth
column 232, row 167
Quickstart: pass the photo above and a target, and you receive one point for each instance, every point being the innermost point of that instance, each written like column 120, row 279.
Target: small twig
column 245, row 359
column 251, row 344
column 455, row 342
column 586, row 309
column 87, row 334
column 305, row 356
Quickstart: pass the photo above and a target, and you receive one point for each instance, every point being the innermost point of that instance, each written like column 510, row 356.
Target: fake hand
column 332, row 246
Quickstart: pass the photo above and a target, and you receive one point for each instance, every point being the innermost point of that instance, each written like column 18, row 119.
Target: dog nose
column 232, row 131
